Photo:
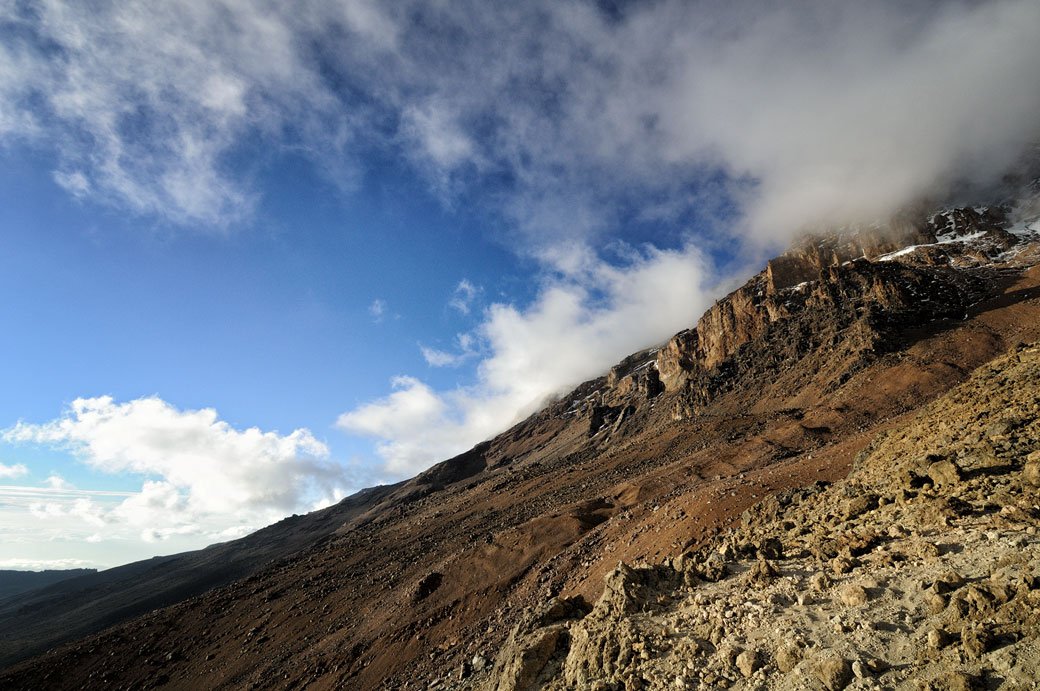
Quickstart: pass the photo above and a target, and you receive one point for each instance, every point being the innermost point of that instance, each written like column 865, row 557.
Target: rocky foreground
column 920, row 570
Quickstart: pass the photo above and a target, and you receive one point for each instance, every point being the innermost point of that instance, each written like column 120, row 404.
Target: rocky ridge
column 859, row 291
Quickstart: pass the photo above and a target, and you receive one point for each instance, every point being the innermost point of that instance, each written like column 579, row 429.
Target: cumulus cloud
column 202, row 476
column 57, row 482
column 377, row 309
column 589, row 313
column 16, row 470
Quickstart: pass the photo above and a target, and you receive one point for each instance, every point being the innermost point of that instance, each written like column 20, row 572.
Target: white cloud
column 463, row 295
column 377, row 309
column 81, row 509
column 587, row 316
column 75, row 183
column 202, row 476
column 441, row 358
column 413, row 422
column 439, row 137
column 466, row 344
column 814, row 108
column 144, row 102
column 58, row 482
column 852, row 110
column 16, row 470
column 44, row 564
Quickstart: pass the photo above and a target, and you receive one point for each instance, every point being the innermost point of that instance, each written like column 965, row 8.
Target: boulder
column 833, row 671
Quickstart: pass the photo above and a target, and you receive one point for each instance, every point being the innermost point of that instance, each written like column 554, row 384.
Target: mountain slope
column 780, row 384
column 42, row 618
column 921, row 568
column 16, row 582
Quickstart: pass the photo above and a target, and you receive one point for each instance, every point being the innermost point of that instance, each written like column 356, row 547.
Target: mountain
column 15, row 582
column 435, row 582
column 34, row 621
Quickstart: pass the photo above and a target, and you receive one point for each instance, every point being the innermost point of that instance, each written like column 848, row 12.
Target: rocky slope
column 922, row 566
column 780, row 385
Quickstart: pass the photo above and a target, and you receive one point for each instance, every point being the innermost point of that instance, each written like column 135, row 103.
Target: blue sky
column 258, row 257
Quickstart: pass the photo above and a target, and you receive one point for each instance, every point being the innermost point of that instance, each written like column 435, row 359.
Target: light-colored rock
column 938, row 639
column 854, row 595
column 748, row 662
column 954, row 681
column 1031, row 471
column 788, row 656
column 524, row 659
column 833, row 671
column 945, row 473
column 820, row 581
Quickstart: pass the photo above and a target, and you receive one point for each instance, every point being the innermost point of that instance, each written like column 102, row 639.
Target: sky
column 259, row 255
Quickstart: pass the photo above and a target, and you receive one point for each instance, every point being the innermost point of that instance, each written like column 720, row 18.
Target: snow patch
column 945, row 239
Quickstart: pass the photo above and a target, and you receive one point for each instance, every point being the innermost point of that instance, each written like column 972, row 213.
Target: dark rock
column 426, row 586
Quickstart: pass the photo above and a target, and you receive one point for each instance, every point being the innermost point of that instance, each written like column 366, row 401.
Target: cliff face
column 840, row 291
column 779, row 385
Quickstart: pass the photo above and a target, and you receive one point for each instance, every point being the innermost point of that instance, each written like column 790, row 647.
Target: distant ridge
column 94, row 600
column 15, row 582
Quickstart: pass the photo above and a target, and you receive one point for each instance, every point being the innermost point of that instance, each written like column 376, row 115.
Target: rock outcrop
column 838, row 292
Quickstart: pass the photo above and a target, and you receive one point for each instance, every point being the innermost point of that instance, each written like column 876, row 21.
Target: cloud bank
column 201, row 476
column 808, row 109
column 588, row 312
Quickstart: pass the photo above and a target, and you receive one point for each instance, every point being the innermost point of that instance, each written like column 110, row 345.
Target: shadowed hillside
column 34, row 621
column 16, row 582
